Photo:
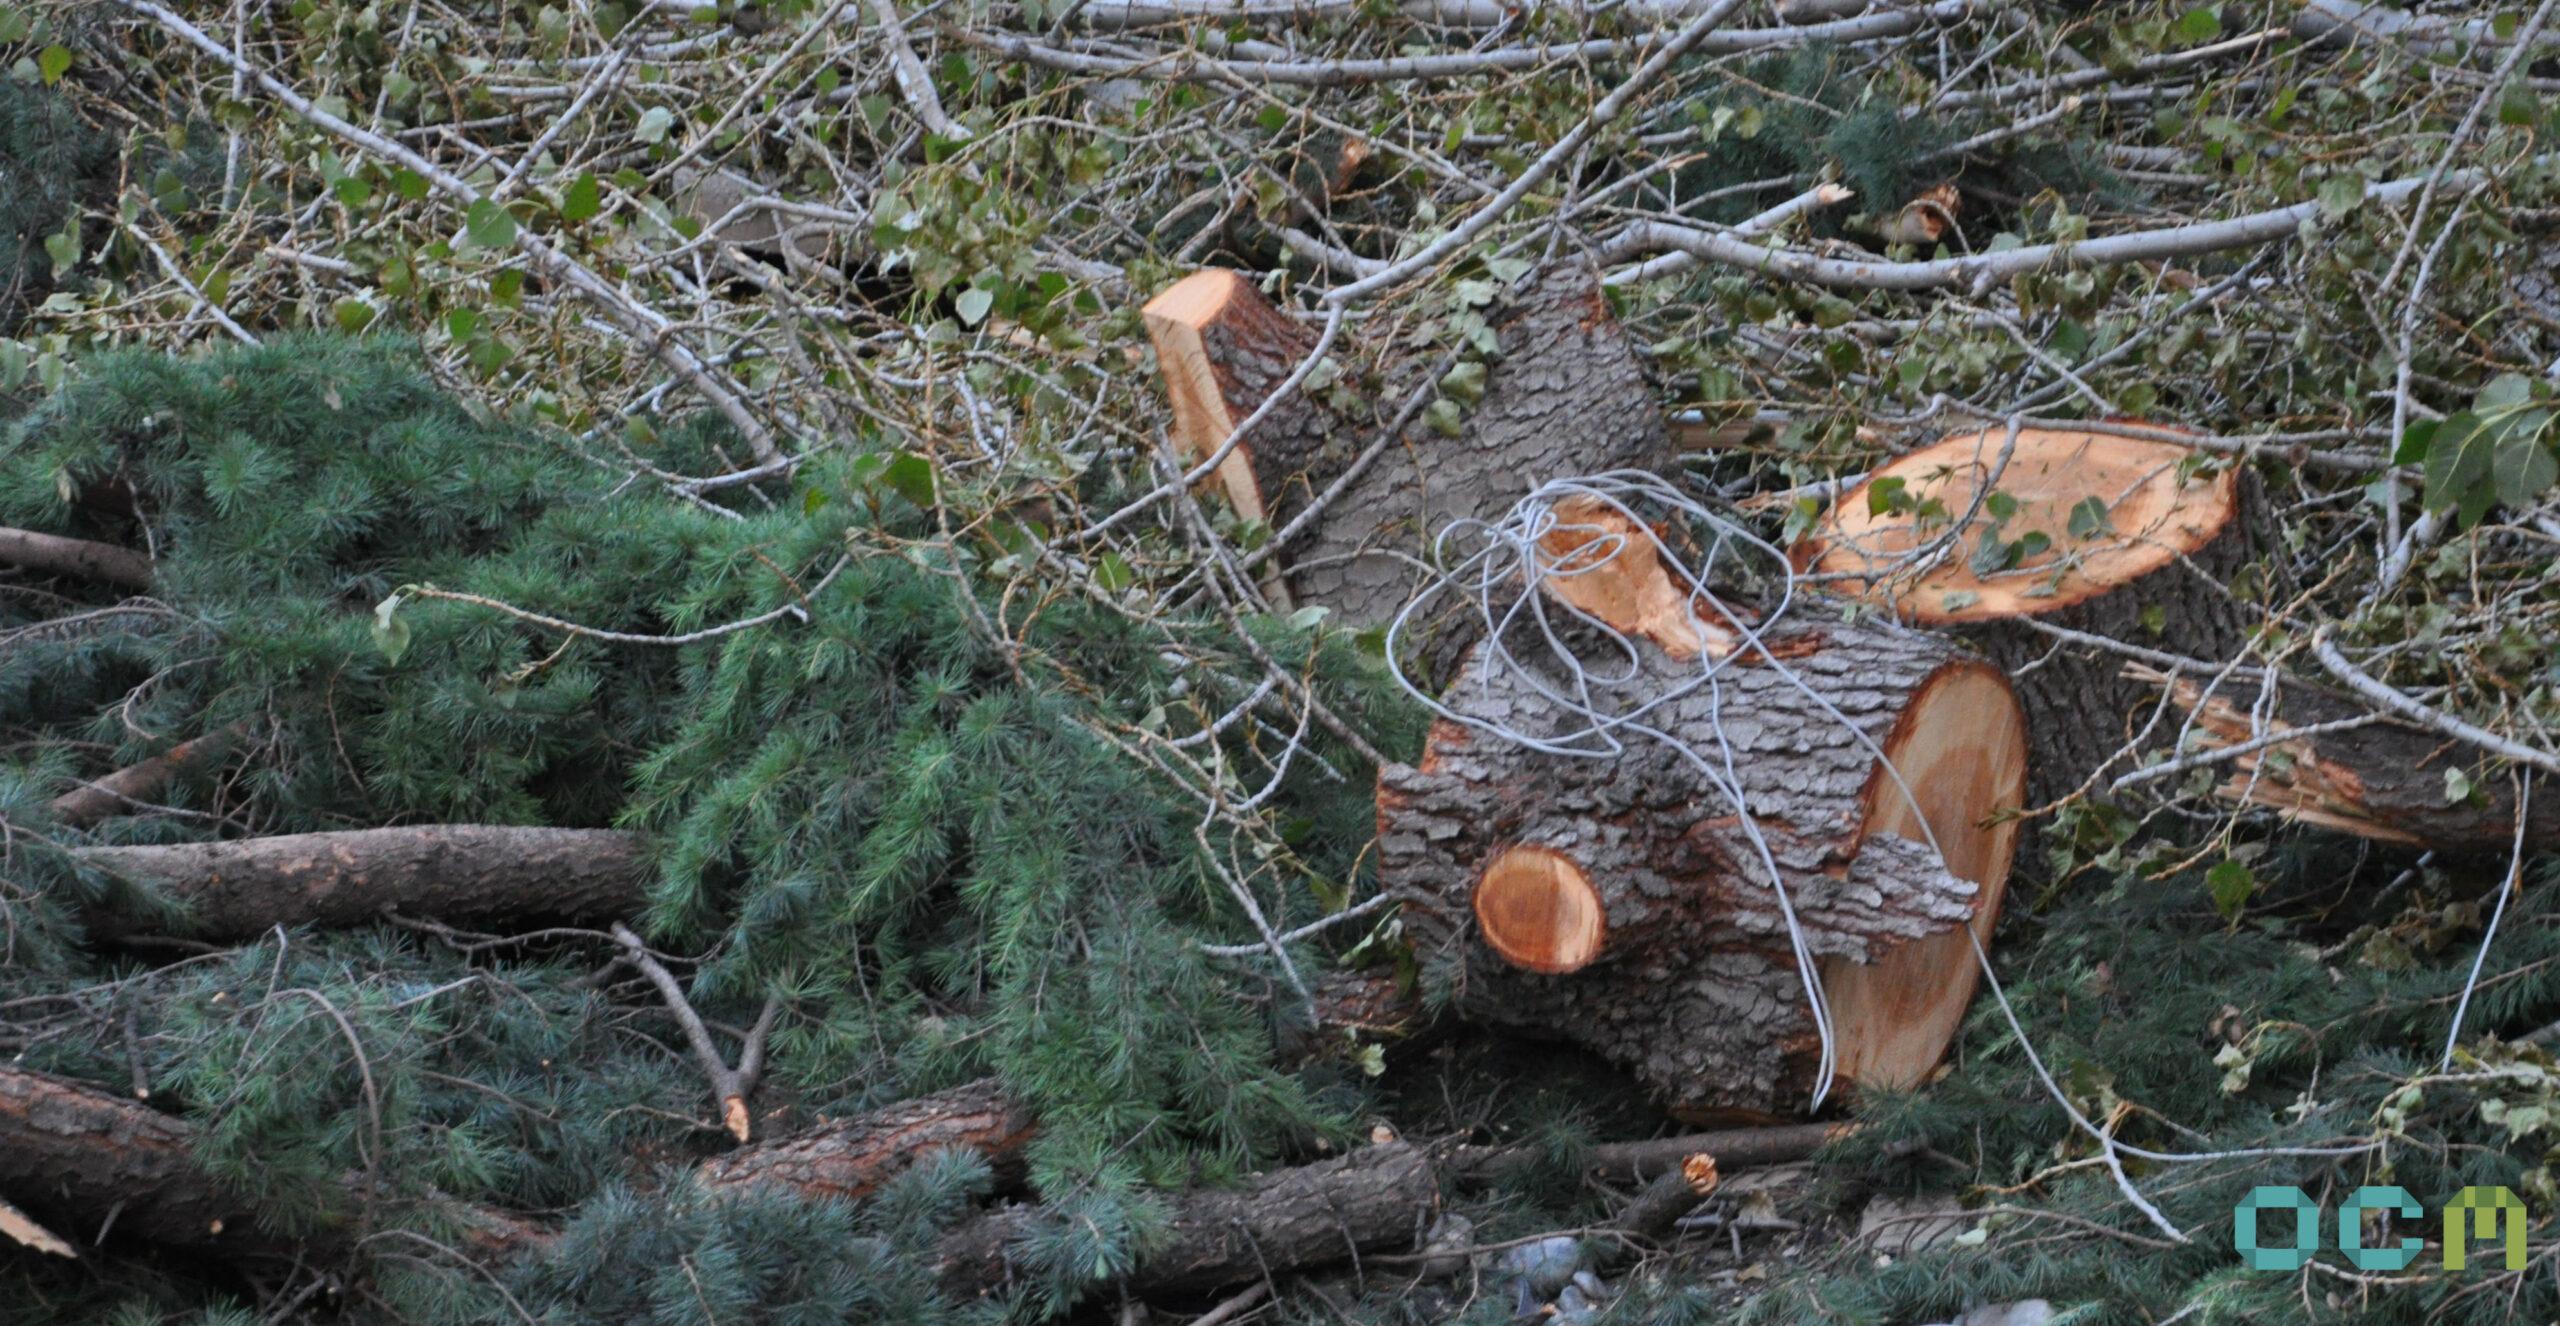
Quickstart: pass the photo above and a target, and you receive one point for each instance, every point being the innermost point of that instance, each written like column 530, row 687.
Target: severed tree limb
column 87, row 559
column 245, row 887
column 730, row 1086
column 1979, row 272
column 1375, row 1199
column 2323, row 760
column 89, row 803
column 849, row 1158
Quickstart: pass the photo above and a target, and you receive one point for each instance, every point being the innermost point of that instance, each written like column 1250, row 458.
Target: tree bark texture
column 1564, row 396
column 2385, row 780
column 1695, row 989
column 452, row 872
column 850, row 1158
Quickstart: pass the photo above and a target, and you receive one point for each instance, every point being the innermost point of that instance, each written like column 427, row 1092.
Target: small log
column 453, row 872
column 849, row 1158
column 84, row 559
column 2157, row 570
column 1565, row 396
column 118, row 792
column 1375, row 1198
column 1619, row 903
column 2383, row 780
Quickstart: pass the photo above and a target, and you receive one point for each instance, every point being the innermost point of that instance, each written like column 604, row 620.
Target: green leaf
column 2524, row 469
column 390, row 634
column 2414, row 442
column 2518, row 106
column 54, row 63
column 2231, row 883
column 2000, row 505
column 2507, row 391
column 1445, row 417
column 2459, row 461
column 911, row 476
column 584, row 199
column 1885, row 496
column 2088, row 519
column 2028, row 545
column 354, row 315
column 1464, row 382
column 409, row 184
column 1113, row 574
column 1957, row 600
column 489, row 226
column 2457, row 785
column 2341, row 194
column 2200, row 24
column 654, row 124
column 1993, row 553
column 975, row 304
column 353, row 190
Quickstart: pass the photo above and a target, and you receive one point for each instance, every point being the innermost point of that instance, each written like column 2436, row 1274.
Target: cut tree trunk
column 83, row 559
column 2152, row 562
column 2378, row 779
column 1620, row 902
column 451, row 872
column 1564, row 396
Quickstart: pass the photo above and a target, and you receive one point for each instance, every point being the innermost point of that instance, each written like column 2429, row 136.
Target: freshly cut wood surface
column 2155, row 512
column 2142, row 541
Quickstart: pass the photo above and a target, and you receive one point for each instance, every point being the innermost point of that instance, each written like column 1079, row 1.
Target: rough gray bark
column 1564, row 397
column 1696, row 992
column 452, row 872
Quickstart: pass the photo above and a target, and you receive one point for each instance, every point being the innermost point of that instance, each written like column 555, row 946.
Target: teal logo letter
column 2306, row 1228
column 2495, row 1213
column 2351, row 1228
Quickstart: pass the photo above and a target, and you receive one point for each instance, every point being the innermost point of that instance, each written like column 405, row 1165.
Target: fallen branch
column 237, row 889
column 729, row 1085
column 138, row 783
column 1977, row 273
column 849, row 1158
column 86, row 559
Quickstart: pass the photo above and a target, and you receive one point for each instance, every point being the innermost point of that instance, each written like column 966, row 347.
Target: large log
column 1621, row 903
column 453, row 872
column 1564, row 396
column 2152, row 563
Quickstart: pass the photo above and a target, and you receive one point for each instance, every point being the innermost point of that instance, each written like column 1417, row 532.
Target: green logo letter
column 2494, row 1211
column 2306, row 1229
column 2351, row 1228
